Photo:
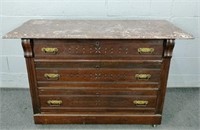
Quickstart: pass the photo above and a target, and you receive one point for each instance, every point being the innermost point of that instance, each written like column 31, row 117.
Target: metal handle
column 49, row 50
column 51, row 76
column 54, row 102
column 143, row 76
column 145, row 50
column 140, row 102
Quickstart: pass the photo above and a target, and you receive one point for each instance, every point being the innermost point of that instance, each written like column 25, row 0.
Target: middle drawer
column 98, row 75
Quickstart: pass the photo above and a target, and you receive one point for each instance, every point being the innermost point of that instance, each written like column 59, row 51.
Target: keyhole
column 97, row 43
column 97, row 66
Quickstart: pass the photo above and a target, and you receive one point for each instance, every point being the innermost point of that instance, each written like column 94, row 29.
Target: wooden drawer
column 98, row 75
column 97, row 101
column 103, row 49
column 64, row 100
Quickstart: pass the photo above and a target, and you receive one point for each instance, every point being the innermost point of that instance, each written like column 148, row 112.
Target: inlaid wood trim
column 96, row 48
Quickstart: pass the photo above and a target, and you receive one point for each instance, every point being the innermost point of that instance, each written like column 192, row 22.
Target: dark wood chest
column 100, row 78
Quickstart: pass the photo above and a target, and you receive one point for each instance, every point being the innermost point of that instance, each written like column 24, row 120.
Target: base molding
column 96, row 119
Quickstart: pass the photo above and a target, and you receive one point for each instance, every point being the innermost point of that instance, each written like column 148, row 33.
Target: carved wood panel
column 97, row 47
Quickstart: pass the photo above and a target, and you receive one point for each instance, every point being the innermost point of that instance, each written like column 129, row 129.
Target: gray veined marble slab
column 98, row 29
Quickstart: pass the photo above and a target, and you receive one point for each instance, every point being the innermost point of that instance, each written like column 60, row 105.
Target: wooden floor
column 181, row 112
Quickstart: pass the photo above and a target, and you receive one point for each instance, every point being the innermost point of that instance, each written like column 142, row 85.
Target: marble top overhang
column 97, row 29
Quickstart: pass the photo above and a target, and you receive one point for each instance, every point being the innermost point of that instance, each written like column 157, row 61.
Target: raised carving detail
column 27, row 47
column 168, row 48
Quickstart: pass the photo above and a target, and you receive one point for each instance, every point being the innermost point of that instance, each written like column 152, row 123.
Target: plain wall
column 185, row 64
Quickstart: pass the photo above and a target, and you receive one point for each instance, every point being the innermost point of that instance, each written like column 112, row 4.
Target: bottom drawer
column 135, row 101
column 97, row 101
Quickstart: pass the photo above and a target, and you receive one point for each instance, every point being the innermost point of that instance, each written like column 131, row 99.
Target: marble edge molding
column 15, row 34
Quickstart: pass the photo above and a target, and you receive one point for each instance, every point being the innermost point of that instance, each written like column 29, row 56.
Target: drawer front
column 103, row 49
column 98, row 101
column 76, row 99
column 100, row 75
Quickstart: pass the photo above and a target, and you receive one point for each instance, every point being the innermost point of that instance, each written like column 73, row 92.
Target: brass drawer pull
column 140, row 102
column 51, row 76
column 145, row 50
column 143, row 76
column 54, row 102
column 50, row 50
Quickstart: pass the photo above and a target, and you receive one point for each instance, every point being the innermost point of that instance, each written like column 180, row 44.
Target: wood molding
column 168, row 48
column 33, row 85
column 27, row 47
column 96, row 119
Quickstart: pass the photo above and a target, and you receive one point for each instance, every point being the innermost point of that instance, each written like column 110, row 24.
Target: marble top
column 98, row 29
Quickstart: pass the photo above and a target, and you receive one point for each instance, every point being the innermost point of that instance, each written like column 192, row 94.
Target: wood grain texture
column 97, row 91
column 110, row 101
column 97, row 64
column 96, row 99
column 106, row 118
column 28, row 54
column 110, row 49
column 99, row 81
column 168, row 49
column 107, row 85
column 130, row 110
column 27, row 47
column 100, row 75
column 98, row 71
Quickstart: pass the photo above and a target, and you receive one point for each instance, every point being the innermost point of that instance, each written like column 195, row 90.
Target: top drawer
column 103, row 49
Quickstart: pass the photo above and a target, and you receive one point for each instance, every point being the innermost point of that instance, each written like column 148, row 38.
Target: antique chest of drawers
column 97, row 71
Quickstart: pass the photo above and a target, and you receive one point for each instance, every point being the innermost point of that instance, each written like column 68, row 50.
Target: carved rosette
column 168, row 48
column 27, row 47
